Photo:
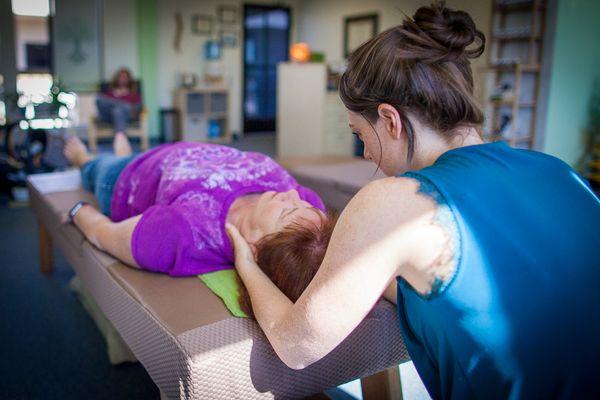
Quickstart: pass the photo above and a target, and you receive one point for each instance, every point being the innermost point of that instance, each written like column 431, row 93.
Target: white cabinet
column 310, row 120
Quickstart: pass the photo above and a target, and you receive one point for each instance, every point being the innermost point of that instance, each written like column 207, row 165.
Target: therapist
column 492, row 254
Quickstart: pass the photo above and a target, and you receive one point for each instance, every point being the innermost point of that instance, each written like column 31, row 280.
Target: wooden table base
column 45, row 246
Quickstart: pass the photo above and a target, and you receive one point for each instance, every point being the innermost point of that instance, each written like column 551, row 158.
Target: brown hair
column 114, row 82
column 420, row 67
column 291, row 257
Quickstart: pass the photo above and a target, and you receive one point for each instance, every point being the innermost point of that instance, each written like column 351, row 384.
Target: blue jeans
column 100, row 175
column 117, row 112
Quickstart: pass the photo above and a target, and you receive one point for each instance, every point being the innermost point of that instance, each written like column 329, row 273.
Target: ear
column 391, row 120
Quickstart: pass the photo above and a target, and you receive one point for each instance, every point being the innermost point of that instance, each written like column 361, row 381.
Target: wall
column 575, row 66
column 321, row 23
column 120, row 37
column 171, row 64
column 147, row 53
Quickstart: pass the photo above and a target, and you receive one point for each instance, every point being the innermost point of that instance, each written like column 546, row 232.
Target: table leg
column 382, row 385
column 45, row 244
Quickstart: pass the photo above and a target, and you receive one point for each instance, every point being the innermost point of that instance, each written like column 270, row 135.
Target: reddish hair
column 291, row 257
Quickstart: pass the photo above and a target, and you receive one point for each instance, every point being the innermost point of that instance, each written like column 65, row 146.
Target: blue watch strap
column 75, row 209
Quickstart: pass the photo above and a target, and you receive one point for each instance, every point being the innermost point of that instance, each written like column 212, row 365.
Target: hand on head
column 243, row 251
column 290, row 257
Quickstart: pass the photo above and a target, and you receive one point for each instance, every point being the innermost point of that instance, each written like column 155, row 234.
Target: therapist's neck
column 430, row 145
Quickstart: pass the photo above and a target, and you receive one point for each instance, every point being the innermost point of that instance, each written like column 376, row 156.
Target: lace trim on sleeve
column 451, row 254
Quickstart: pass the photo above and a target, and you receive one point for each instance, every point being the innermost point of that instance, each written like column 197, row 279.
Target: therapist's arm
column 370, row 244
column 111, row 237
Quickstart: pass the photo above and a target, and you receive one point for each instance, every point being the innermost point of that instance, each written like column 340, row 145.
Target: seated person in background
column 121, row 103
column 165, row 210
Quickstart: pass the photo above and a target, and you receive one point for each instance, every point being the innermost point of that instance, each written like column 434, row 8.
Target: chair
column 99, row 129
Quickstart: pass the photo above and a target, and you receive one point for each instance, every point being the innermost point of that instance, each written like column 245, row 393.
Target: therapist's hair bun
column 453, row 30
column 421, row 68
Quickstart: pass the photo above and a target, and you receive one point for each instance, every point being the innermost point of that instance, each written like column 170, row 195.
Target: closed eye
column 290, row 212
column 287, row 213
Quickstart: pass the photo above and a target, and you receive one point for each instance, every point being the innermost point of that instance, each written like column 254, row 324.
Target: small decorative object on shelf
column 504, row 127
column 503, row 92
column 300, row 52
column 214, row 129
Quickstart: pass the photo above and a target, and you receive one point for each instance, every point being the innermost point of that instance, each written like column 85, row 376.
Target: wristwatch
column 75, row 209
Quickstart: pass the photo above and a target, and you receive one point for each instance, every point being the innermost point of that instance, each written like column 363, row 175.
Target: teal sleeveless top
column 520, row 316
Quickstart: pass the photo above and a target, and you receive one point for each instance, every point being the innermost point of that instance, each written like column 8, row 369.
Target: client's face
column 275, row 210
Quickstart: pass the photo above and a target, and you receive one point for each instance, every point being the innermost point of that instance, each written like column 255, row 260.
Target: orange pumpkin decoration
column 300, row 52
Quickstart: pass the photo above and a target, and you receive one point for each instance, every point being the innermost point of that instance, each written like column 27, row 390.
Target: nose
column 292, row 194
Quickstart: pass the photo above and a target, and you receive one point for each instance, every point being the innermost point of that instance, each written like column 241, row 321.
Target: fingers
column 239, row 242
column 234, row 235
column 240, row 245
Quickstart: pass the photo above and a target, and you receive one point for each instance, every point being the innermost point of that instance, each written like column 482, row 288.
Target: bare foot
column 76, row 152
column 121, row 146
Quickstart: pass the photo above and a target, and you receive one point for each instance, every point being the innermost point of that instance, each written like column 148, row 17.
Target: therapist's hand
column 244, row 256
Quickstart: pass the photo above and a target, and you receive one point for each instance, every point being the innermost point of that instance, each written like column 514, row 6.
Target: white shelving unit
column 201, row 108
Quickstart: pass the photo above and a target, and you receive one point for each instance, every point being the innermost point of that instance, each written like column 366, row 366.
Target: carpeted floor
column 50, row 347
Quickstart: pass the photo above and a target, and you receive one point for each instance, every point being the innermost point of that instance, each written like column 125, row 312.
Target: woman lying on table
column 165, row 210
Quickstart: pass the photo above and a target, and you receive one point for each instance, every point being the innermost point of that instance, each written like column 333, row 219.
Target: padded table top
column 174, row 301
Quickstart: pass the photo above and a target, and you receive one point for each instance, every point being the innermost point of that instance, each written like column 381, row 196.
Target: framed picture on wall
column 227, row 14
column 202, row 24
column 358, row 29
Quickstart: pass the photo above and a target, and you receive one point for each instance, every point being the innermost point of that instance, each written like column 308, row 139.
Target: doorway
column 266, row 43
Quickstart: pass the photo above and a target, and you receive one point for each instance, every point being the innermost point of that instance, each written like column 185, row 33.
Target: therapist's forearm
column 270, row 307
column 268, row 302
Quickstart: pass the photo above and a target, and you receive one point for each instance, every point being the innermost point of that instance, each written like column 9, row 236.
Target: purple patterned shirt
column 184, row 191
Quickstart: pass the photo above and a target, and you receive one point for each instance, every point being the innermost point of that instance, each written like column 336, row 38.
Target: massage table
column 187, row 340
